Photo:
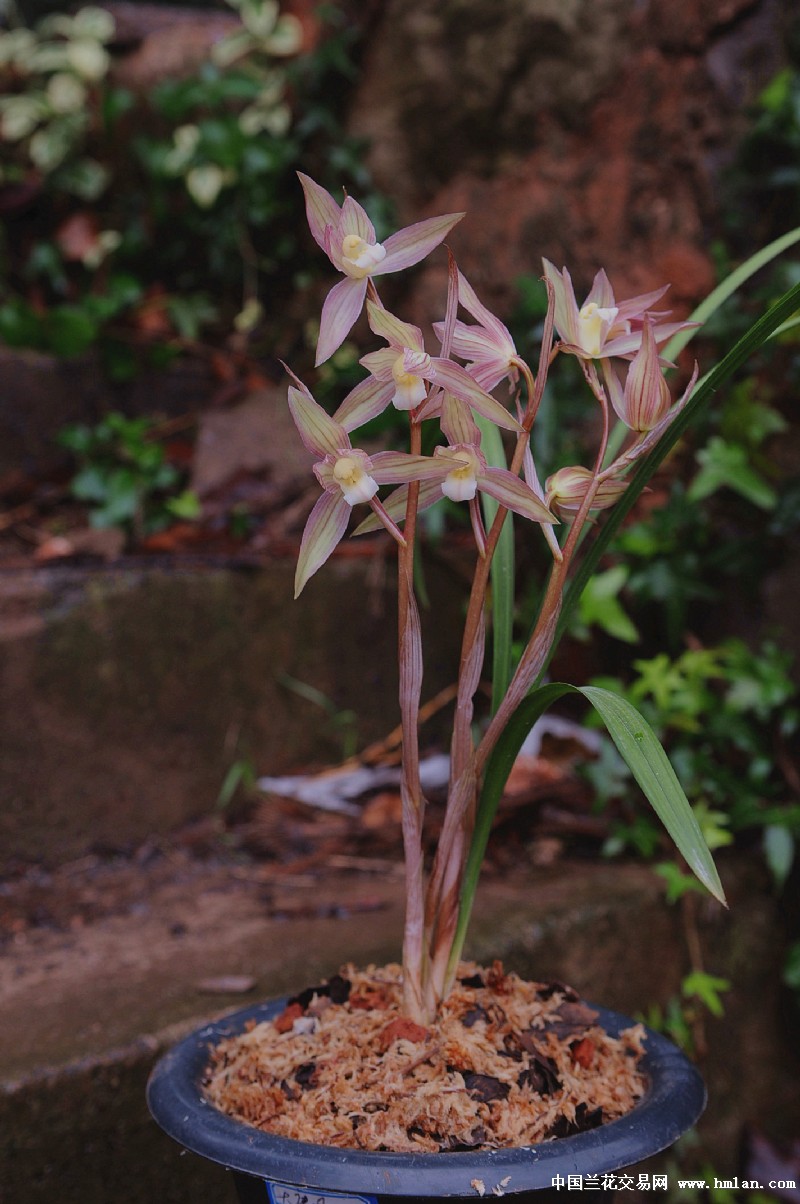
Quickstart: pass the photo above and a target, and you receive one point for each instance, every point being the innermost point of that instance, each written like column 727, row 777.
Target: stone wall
column 590, row 131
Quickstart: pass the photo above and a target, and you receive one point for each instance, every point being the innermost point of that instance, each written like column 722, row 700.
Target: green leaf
column 724, row 465
column 677, row 882
column 647, row 761
column 502, row 569
column 791, row 967
column 599, row 606
column 730, row 285
column 707, row 988
column 69, row 330
column 779, row 852
column 640, row 749
column 186, row 505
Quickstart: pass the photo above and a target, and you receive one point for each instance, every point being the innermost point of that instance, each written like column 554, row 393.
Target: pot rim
column 674, row 1099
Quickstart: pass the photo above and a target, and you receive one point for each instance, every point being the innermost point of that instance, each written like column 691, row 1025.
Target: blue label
column 284, row 1193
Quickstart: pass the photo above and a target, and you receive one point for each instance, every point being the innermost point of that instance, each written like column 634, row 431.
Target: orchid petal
column 399, row 467
column 457, row 421
column 380, row 363
column 397, row 333
column 354, row 220
column 340, row 313
column 646, row 399
column 634, row 307
column 628, row 344
column 487, row 363
column 451, row 310
column 470, row 342
column 514, row 494
column 409, row 246
column 457, row 381
column 321, row 209
column 566, row 307
column 601, row 292
column 363, row 403
column 321, row 435
column 326, row 525
column 483, row 316
column 532, row 480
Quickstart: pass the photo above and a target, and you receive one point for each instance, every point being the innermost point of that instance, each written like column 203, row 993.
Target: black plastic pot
column 274, row 1170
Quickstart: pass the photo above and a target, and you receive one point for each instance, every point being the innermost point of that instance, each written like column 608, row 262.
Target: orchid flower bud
column 646, row 398
column 566, row 490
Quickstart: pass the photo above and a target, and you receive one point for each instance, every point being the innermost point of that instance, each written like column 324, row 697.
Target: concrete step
column 85, row 1011
column 145, row 681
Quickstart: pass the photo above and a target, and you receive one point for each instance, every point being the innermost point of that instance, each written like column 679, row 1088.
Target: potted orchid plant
column 318, row 1121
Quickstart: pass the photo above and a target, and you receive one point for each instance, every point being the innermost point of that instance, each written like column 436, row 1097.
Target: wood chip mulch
column 507, row 1063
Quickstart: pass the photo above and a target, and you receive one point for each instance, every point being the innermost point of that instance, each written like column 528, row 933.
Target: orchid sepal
column 456, row 380
column 320, row 433
column 340, row 313
column 366, row 401
column 410, row 245
column 324, row 529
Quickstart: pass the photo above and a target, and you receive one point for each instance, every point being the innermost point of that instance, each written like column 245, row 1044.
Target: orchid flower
column 603, row 327
column 347, row 237
column 472, row 474
column 487, row 348
column 465, row 473
column 348, row 476
column 403, row 371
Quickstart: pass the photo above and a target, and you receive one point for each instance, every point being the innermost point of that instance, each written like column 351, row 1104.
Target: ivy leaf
column 599, row 606
column 726, row 465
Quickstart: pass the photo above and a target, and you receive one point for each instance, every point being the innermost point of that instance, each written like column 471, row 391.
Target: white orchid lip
column 461, row 484
column 354, row 481
column 360, row 257
column 410, row 387
column 594, row 322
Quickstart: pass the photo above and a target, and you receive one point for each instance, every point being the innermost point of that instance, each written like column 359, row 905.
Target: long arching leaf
column 502, row 570
column 642, row 752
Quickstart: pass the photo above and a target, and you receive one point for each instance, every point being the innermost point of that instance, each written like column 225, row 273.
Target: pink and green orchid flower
column 603, row 327
column 348, row 476
column 401, row 374
column 487, row 348
column 347, row 236
column 465, row 473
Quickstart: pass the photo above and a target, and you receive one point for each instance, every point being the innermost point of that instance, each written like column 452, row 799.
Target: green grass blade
column 502, row 572
column 639, row 747
column 728, row 287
